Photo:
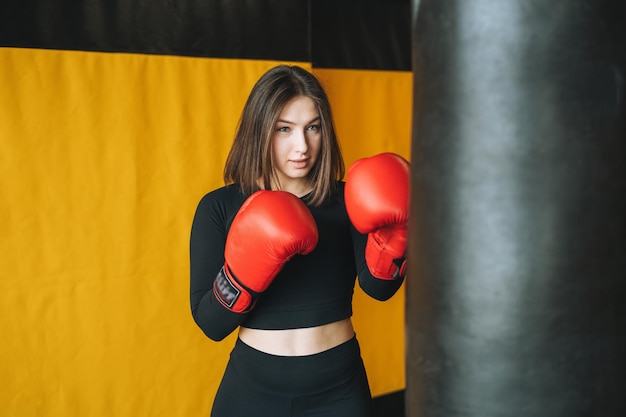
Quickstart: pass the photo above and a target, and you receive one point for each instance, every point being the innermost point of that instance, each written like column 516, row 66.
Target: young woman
column 275, row 255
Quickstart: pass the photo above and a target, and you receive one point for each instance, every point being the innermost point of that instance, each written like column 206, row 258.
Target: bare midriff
column 298, row 342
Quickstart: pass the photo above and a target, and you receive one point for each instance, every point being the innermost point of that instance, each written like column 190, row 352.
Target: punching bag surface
column 516, row 291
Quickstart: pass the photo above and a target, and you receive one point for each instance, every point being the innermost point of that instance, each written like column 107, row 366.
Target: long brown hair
column 250, row 158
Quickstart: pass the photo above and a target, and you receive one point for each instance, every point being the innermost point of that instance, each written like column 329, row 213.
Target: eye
column 314, row 128
column 282, row 129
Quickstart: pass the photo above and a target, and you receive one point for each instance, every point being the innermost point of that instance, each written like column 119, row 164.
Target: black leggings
column 331, row 383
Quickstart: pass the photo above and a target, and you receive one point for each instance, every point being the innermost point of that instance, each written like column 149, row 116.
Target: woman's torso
column 323, row 281
column 298, row 342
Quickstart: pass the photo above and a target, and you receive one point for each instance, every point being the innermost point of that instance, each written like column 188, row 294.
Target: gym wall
column 115, row 118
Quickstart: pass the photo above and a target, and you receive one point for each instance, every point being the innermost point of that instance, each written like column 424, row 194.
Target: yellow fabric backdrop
column 104, row 158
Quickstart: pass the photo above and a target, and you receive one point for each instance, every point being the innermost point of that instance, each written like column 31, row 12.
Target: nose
column 301, row 141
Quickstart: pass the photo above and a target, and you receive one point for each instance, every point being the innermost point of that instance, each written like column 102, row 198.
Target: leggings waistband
column 294, row 375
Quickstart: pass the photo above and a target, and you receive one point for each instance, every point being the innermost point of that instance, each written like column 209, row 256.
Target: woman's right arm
column 206, row 248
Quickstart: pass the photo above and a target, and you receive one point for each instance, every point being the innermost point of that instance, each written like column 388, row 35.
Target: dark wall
column 347, row 34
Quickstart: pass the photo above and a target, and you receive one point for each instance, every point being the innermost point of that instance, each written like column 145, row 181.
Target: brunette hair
column 250, row 158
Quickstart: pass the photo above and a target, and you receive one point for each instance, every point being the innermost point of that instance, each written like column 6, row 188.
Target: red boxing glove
column 269, row 229
column 377, row 201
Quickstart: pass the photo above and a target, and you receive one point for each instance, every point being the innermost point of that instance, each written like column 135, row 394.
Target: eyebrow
column 291, row 123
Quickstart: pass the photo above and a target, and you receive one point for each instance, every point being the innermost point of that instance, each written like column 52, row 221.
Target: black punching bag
column 516, row 287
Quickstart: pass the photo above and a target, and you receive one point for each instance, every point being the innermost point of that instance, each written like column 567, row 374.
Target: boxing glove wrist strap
column 385, row 253
column 231, row 293
column 383, row 265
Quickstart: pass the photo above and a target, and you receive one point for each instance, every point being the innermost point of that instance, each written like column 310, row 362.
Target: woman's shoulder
column 225, row 192
column 227, row 196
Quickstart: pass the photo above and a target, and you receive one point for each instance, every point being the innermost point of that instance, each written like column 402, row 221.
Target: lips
column 300, row 163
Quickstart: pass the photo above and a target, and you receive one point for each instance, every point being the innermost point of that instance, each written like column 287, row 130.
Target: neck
column 298, row 188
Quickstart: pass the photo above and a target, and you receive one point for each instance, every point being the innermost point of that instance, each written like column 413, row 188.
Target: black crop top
column 311, row 290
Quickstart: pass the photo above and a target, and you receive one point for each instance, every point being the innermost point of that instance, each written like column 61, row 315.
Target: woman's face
column 296, row 143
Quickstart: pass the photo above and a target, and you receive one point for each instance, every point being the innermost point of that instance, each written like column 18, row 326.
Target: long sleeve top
column 310, row 290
